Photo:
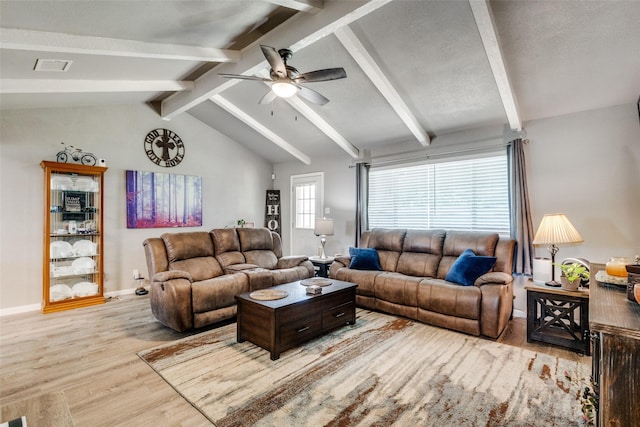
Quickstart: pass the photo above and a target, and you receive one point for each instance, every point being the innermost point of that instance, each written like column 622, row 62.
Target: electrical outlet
column 136, row 273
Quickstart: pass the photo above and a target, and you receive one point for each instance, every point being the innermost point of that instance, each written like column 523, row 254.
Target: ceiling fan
column 285, row 80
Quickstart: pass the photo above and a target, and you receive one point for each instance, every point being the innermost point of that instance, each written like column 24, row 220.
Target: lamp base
column 553, row 284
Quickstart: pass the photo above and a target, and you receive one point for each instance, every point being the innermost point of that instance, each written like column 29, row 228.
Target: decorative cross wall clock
column 164, row 147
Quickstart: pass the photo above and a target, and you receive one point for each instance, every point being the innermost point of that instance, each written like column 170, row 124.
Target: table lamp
column 554, row 229
column 323, row 228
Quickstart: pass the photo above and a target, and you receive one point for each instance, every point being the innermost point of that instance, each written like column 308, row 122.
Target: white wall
column 234, row 182
column 587, row 165
column 339, row 184
column 599, row 191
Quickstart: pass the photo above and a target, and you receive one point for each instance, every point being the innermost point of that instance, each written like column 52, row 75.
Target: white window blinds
column 458, row 194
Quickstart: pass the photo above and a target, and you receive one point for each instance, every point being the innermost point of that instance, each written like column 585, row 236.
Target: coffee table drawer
column 297, row 331
column 340, row 315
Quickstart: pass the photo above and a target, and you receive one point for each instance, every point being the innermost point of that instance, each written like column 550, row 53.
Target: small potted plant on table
column 572, row 275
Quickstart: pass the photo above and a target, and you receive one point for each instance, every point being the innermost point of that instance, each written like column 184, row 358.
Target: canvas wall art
column 156, row 200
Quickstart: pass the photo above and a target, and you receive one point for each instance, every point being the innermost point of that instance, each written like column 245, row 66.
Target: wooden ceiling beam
column 486, row 27
column 260, row 128
column 43, row 41
column 89, row 86
column 308, row 6
column 320, row 123
column 296, row 33
column 360, row 54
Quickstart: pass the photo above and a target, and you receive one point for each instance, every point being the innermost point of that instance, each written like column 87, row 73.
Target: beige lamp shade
column 323, row 227
column 556, row 228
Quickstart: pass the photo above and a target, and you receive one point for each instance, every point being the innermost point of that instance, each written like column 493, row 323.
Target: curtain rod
column 434, row 155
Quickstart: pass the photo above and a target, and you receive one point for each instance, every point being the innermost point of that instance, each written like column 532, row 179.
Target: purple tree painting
column 157, row 200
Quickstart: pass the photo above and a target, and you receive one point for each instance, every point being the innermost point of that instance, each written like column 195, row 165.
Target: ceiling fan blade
column 240, row 76
column 312, row 95
column 268, row 98
column 275, row 61
column 321, row 75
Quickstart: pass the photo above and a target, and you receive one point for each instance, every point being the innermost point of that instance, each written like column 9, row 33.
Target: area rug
column 381, row 371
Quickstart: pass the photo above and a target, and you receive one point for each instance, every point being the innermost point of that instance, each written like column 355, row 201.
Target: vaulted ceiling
column 416, row 70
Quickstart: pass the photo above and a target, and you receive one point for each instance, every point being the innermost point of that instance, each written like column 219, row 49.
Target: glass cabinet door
column 73, row 236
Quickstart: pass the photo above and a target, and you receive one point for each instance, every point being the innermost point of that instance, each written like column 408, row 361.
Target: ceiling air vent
column 52, row 65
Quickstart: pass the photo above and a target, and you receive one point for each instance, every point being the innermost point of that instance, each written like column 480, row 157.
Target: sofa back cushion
column 388, row 243
column 256, row 245
column 456, row 242
column 226, row 246
column 192, row 252
column 421, row 253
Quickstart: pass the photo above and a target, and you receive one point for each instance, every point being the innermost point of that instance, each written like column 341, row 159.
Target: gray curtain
column 521, row 224
column 362, row 188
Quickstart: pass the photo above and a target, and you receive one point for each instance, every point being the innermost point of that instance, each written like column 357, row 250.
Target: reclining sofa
column 196, row 275
column 411, row 279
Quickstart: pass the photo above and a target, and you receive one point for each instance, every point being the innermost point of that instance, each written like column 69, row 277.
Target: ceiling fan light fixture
column 284, row 89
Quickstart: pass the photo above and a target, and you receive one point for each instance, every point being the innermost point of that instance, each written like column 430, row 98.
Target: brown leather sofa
column 412, row 281
column 196, row 275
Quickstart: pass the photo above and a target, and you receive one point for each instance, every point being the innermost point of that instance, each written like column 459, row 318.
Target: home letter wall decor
column 272, row 213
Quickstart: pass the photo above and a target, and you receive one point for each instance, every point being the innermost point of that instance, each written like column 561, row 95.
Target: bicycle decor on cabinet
column 75, row 154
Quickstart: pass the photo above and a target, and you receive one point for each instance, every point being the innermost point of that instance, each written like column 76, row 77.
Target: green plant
column 240, row 223
column 574, row 271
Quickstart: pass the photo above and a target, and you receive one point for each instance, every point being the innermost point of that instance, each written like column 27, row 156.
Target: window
column 455, row 194
column 305, row 205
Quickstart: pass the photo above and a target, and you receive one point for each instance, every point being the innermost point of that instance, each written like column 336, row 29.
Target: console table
column 557, row 316
column 615, row 331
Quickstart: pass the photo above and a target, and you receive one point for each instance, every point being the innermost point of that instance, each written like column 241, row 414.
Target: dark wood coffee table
column 278, row 325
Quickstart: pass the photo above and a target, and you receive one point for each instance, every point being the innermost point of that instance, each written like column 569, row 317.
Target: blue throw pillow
column 364, row 259
column 468, row 267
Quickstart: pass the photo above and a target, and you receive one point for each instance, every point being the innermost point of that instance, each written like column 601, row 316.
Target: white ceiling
column 416, row 69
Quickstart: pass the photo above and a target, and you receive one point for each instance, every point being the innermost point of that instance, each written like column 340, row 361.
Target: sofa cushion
column 439, row 296
column 262, row 258
column 219, row 292
column 456, row 242
column 252, row 239
column 201, row 268
column 421, row 253
column 468, row 267
column 397, row 288
column 364, row 259
column 187, row 245
column 226, row 246
column 388, row 243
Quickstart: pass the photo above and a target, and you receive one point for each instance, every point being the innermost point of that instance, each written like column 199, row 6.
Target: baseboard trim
column 37, row 307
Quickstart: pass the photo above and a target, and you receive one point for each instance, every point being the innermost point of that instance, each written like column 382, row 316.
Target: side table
column 559, row 317
column 323, row 264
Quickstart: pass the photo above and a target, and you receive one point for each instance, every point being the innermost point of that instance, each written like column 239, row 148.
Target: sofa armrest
column 344, row 260
column 165, row 276
column 291, row 261
column 171, row 300
column 494, row 278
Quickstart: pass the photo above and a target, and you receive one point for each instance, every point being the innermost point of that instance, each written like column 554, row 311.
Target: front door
column 307, row 195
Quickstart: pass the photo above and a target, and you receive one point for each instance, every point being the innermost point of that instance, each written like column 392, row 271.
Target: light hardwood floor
column 90, row 355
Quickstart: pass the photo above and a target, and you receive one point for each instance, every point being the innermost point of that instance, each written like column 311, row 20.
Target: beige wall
column 234, row 181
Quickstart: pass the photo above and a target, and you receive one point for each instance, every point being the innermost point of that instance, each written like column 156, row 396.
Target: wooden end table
column 278, row 325
column 559, row 317
column 323, row 265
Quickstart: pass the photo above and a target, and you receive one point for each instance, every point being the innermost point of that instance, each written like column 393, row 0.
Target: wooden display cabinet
column 73, row 257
